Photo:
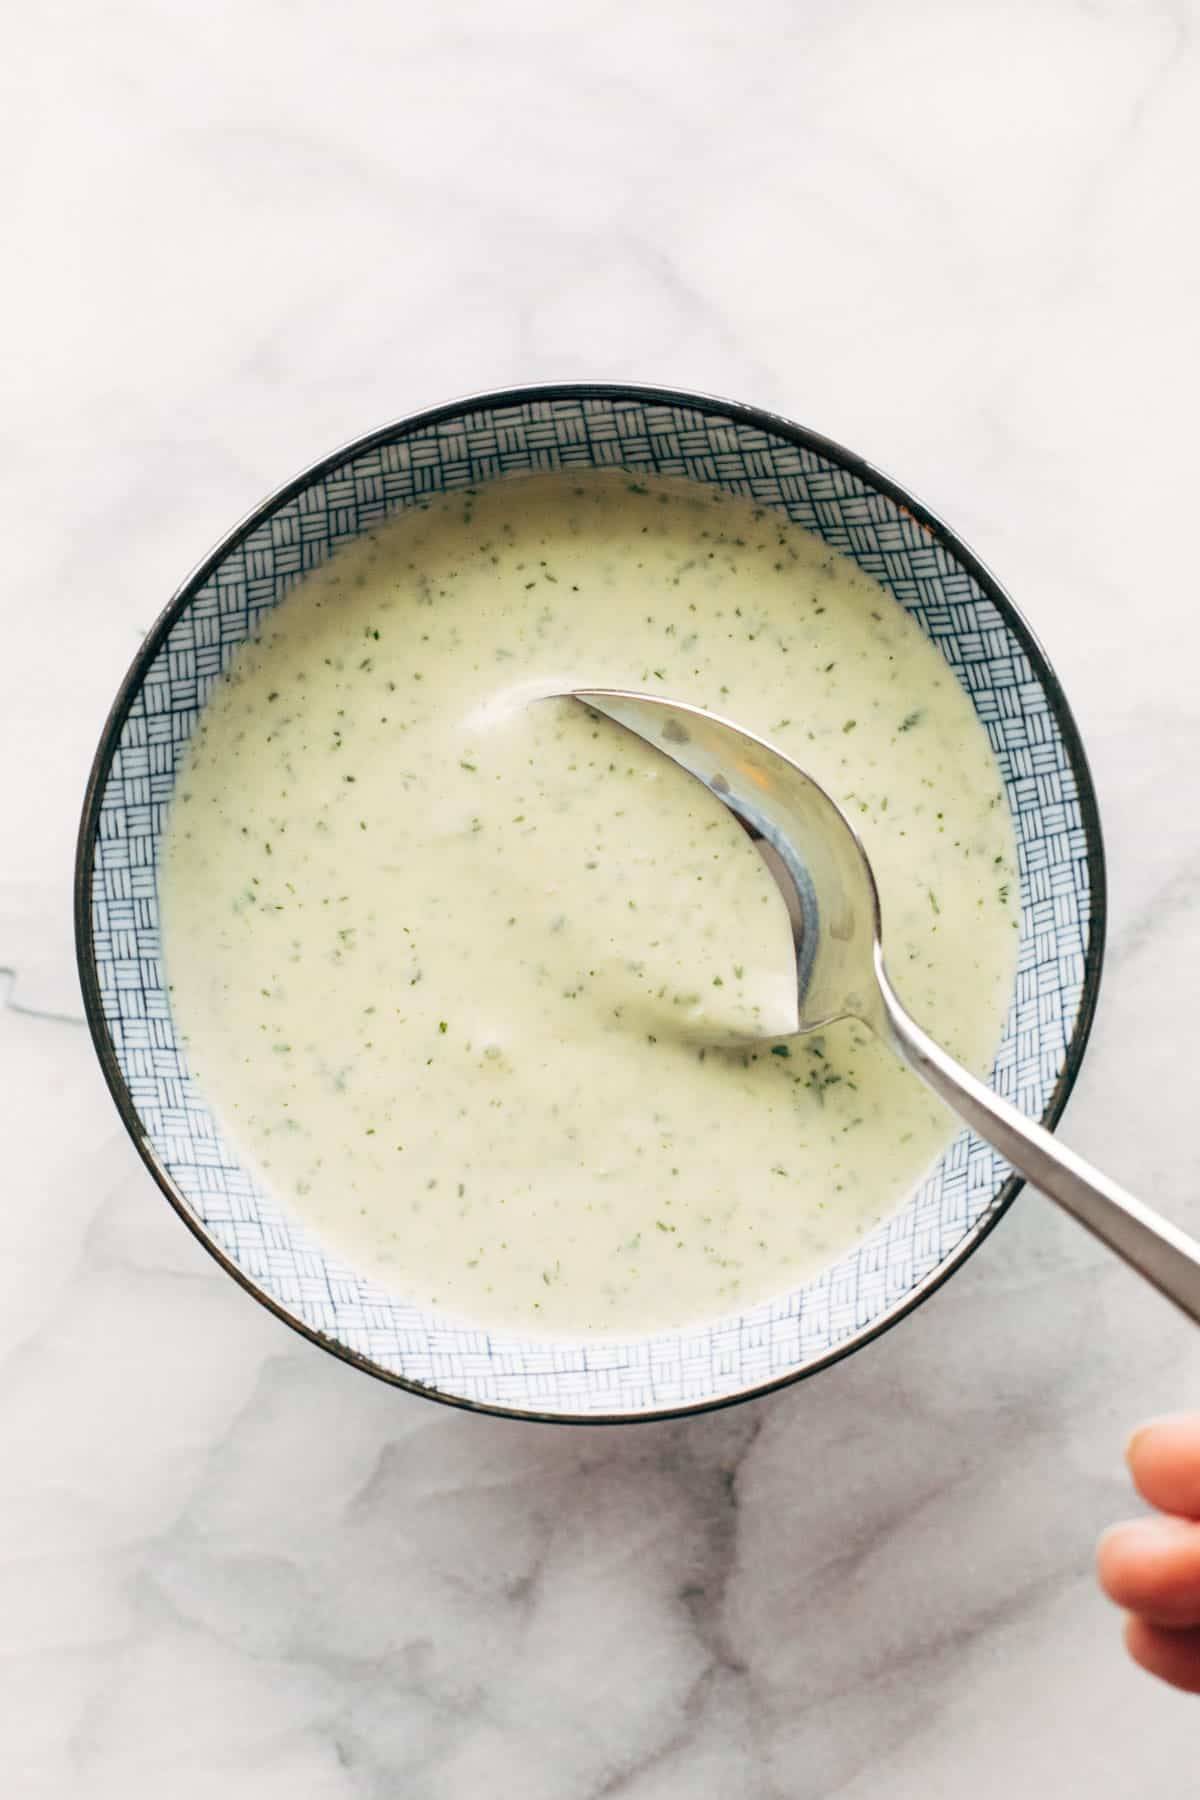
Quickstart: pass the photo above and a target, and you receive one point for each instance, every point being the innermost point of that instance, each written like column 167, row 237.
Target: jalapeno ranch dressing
column 445, row 954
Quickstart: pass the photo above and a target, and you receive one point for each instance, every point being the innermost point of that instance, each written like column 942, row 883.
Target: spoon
column 820, row 867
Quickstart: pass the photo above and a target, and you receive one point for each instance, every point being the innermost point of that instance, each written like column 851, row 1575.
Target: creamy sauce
column 445, row 953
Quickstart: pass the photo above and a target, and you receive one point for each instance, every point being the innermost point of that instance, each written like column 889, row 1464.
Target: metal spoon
column 822, row 871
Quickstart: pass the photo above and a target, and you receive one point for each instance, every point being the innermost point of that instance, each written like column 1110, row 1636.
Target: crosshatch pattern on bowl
column 719, row 1359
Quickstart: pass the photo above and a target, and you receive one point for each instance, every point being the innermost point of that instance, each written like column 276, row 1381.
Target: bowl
column 858, row 511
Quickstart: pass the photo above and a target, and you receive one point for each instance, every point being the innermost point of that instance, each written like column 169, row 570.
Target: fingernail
column 1152, row 1532
column 1144, row 1431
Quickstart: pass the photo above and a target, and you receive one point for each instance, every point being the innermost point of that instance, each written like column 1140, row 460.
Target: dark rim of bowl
column 615, row 392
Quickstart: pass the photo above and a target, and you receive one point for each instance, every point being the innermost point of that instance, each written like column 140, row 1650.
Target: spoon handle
column 1168, row 1258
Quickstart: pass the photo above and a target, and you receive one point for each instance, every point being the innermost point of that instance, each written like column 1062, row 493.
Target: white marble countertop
column 959, row 238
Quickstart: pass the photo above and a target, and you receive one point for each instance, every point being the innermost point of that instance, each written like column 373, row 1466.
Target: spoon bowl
column 814, row 855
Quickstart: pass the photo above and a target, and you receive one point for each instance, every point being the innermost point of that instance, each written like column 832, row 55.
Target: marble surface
column 958, row 238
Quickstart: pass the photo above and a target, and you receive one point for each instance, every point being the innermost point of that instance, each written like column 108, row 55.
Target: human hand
column 1151, row 1567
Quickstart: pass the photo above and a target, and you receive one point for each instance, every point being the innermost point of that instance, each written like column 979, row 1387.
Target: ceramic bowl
column 855, row 509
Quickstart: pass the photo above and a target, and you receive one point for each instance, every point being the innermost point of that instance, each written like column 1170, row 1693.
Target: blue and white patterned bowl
column 855, row 509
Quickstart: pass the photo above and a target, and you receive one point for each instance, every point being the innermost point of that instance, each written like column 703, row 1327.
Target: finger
column 1164, row 1460
column 1174, row 1656
column 1152, row 1567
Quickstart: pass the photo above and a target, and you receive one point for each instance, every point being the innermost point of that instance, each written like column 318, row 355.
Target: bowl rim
column 775, row 425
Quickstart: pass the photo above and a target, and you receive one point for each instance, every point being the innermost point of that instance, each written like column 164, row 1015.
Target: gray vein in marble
column 1176, row 898
column 1180, row 20
column 9, row 978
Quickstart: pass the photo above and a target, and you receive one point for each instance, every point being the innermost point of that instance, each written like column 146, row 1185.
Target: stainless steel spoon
column 822, row 871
